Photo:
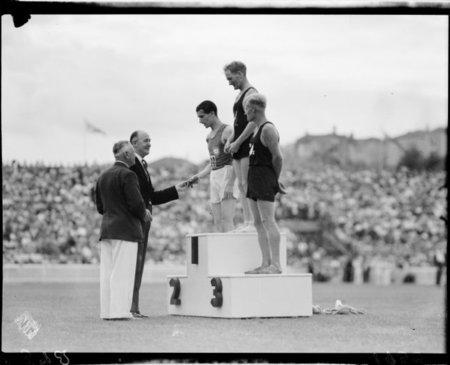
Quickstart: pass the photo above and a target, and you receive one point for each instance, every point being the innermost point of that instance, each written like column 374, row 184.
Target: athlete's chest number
column 213, row 161
column 218, row 298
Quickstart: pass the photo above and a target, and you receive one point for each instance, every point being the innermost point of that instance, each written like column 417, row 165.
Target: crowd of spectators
column 48, row 214
column 366, row 215
column 394, row 217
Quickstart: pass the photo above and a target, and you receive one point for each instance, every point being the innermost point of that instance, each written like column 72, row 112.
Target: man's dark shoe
column 138, row 315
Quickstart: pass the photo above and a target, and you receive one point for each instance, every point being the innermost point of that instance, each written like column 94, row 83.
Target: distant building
column 372, row 152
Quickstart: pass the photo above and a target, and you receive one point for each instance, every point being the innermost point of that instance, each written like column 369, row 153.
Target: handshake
column 189, row 183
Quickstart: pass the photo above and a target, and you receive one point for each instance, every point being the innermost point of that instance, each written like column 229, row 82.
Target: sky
column 364, row 75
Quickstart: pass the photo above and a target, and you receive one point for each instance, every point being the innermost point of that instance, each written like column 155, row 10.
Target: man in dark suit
column 119, row 201
column 141, row 143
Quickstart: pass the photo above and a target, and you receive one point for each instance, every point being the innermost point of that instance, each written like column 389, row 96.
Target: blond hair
column 256, row 100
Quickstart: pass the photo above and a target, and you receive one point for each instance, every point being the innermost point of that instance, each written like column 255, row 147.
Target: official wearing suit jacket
column 120, row 202
column 142, row 143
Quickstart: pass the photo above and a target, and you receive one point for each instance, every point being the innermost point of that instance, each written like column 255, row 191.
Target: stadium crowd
column 385, row 216
column 380, row 217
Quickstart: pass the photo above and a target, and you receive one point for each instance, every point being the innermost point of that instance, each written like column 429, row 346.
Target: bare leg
column 241, row 175
column 262, row 238
column 245, row 201
column 267, row 211
column 217, row 216
column 227, row 213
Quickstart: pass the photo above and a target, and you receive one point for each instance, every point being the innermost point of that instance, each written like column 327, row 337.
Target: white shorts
column 218, row 179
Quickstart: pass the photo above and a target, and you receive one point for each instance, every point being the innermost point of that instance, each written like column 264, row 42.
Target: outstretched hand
column 182, row 186
column 189, row 183
column 192, row 181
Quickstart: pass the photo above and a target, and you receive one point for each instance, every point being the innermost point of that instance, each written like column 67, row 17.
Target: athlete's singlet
column 240, row 122
column 219, row 158
column 260, row 155
column 262, row 179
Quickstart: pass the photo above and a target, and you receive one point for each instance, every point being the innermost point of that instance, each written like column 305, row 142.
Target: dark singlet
column 240, row 122
column 262, row 178
column 219, row 158
column 260, row 155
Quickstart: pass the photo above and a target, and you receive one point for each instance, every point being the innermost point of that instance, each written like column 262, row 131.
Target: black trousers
column 140, row 262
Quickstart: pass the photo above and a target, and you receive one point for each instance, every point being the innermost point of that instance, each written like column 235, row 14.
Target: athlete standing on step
column 266, row 162
column 223, row 190
column 239, row 142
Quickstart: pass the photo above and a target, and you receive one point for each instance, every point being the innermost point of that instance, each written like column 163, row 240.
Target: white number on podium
column 174, row 299
column 218, row 298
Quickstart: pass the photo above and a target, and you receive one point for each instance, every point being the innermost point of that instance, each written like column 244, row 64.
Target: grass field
column 406, row 318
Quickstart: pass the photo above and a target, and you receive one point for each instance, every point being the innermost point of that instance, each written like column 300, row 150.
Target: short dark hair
column 207, row 106
column 235, row 67
column 118, row 147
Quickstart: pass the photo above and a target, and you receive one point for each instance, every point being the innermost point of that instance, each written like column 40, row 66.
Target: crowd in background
column 48, row 214
column 389, row 217
column 364, row 216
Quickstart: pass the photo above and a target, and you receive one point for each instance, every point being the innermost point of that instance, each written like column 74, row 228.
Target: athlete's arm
column 229, row 141
column 247, row 132
column 202, row 173
column 249, row 129
column 227, row 135
column 270, row 139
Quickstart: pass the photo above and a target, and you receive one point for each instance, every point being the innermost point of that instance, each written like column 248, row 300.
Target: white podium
column 215, row 284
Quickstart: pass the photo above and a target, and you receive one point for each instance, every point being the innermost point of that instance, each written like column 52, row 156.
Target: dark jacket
column 152, row 197
column 120, row 202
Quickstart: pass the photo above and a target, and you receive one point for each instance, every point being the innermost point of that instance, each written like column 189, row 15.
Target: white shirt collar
column 139, row 158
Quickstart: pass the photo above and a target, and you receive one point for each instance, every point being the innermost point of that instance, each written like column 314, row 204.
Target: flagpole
column 89, row 127
column 84, row 143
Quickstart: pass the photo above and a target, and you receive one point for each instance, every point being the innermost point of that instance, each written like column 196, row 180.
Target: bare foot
column 271, row 269
column 256, row 271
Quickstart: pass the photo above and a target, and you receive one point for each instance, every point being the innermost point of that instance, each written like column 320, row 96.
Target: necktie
column 144, row 163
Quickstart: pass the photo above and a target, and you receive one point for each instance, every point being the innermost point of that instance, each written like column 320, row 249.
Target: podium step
column 226, row 253
column 241, row 296
column 215, row 284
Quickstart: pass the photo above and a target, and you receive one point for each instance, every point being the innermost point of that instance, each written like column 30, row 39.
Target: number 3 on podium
column 218, row 298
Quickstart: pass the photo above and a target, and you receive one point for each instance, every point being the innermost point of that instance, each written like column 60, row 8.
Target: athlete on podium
column 265, row 166
column 223, row 189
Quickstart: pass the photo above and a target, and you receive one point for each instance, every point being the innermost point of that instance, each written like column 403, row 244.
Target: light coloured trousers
column 117, row 267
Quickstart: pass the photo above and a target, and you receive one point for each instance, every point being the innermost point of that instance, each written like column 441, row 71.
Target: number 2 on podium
column 174, row 299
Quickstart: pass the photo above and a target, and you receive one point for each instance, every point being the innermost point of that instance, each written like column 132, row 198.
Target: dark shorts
column 262, row 183
column 243, row 151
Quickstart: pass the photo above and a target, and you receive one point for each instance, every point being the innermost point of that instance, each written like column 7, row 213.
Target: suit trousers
column 140, row 263
column 117, row 268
